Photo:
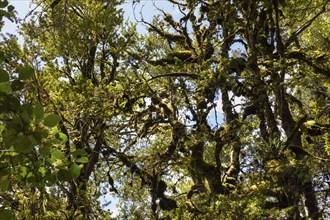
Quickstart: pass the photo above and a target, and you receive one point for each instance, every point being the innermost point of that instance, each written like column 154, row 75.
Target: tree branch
column 190, row 75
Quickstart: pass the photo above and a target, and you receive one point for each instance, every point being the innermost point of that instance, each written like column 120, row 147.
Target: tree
column 130, row 114
column 25, row 136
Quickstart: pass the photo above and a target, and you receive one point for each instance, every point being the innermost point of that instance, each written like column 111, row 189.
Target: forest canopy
column 219, row 110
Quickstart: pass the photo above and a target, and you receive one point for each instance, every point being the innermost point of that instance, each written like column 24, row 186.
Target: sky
column 22, row 7
column 146, row 7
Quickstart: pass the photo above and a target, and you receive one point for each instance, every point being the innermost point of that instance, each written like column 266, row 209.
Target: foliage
column 221, row 112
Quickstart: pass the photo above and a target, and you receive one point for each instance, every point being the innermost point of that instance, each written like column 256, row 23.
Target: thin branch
column 35, row 8
column 301, row 56
column 305, row 26
column 191, row 75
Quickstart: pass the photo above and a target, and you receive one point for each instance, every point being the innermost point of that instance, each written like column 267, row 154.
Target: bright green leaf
column 82, row 160
column 22, row 170
column 25, row 73
column 61, row 136
column 57, row 154
column 54, row 131
column 52, row 120
column 75, row 170
column 42, row 170
column 310, row 123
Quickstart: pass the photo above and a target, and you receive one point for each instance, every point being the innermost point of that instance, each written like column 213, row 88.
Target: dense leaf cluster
column 220, row 112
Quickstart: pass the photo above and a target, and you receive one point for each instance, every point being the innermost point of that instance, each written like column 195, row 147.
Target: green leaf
column 75, row 170
column 38, row 135
column 54, row 131
column 6, row 214
column 64, row 175
column 24, row 143
column 17, row 159
column 57, row 154
column 52, row 120
column 4, row 76
column 9, row 136
column 17, row 85
column 27, row 112
column 31, row 178
column 79, row 152
column 62, row 137
column 42, row 171
column 22, row 170
column 38, row 112
column 12, row 103
column 25, row 73
column 310, row 123
column 17, row 123
column 4, row 184
column 10, row 8
column 5, row 87
column 44, row 151
column 50, row 179
column 42, row 133
column 2, row 56
column 82, row 160
column 50, row 161
column 3, row 3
